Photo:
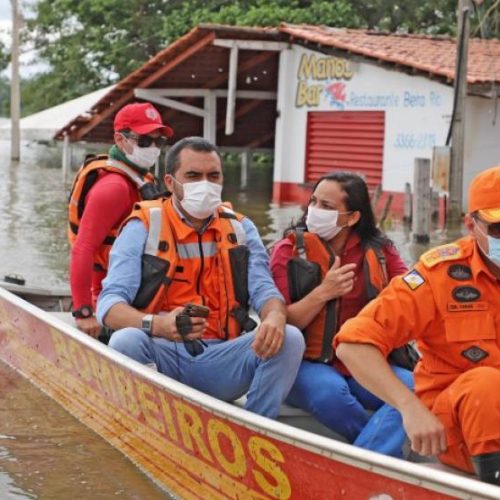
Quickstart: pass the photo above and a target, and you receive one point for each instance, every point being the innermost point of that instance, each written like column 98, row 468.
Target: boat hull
column 191, row 444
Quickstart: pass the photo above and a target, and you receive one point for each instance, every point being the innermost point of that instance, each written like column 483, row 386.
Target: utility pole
column 454, row 215
column 15, row 94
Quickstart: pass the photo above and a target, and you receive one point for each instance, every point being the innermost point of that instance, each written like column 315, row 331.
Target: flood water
column 44, row 452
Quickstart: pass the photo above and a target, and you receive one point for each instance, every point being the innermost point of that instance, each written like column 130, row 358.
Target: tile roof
column 194, row 42
column 431, row 54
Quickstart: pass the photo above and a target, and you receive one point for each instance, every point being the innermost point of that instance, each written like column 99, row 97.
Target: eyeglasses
column 492, row 229
column 145, row 141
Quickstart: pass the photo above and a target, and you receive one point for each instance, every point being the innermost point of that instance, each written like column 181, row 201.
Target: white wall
column 482, row 137
column 418, row 112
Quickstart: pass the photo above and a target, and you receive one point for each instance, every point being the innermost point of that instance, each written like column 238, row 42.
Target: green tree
column 487, row 19
column 92, row 43
column 4, row 56
column 258, row 13
column 4, row 84
column 4, row 97
column 432, row 17
column 88, row 44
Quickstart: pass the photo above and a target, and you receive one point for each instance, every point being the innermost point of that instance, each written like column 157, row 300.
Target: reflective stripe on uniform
column 192, row 250
column 153, row 240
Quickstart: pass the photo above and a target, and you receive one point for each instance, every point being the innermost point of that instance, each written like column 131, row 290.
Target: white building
column 321, row 98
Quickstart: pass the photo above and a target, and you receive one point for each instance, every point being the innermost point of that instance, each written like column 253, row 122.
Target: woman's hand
column 338, row 281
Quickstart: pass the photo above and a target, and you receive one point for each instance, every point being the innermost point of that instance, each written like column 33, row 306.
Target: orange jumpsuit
column 450, row 303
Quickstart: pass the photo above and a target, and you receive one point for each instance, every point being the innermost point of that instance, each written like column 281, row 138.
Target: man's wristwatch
column 147, row 324
column 83, row 312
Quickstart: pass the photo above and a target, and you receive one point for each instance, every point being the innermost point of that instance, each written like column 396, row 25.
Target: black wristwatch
column 83, row 312
column 147, row 324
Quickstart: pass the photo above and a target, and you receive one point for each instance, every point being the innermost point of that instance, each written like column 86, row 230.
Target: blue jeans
column 342, row 404
column 226, row 369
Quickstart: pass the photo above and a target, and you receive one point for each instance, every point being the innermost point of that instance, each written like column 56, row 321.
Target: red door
column 345, row 140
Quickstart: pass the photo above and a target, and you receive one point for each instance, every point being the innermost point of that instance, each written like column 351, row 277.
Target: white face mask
column 323, row 222
column 201, row 198
column 143, row 157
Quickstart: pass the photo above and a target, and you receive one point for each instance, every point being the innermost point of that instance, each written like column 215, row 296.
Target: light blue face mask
column 493, row 252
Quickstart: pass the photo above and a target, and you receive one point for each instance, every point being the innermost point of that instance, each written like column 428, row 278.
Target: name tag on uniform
column 467, row 306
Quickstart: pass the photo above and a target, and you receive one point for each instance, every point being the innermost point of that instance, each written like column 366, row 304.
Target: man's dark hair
column 198, row 144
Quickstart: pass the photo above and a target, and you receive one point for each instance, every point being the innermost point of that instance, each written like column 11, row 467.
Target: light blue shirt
column 124, row 275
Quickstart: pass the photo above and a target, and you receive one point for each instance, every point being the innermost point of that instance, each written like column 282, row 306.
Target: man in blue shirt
column 192, row 249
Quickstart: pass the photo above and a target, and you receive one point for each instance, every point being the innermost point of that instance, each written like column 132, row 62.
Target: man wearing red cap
column 104, row 191
column 450, row 304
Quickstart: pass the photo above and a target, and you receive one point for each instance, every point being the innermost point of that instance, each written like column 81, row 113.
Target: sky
column 5, row 27
column 5, row 14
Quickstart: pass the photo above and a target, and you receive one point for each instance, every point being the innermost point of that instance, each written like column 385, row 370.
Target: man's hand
column 370, row 368
column 270, row 335
column 338, row 281
column 89, row 325
column 424, row 429
column 164, row 326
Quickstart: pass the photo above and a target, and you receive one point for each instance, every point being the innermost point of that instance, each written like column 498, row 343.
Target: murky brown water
column 33, row 226
column 44, row 452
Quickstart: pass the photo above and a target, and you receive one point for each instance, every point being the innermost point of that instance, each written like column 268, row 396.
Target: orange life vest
column 85, row 178
column 181, row 265
column 312, row 258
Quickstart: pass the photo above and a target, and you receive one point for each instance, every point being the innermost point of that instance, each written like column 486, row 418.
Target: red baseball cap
column 484, row 195
column 142, row 118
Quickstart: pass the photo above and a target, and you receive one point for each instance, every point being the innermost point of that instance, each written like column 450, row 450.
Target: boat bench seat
column 299, row 418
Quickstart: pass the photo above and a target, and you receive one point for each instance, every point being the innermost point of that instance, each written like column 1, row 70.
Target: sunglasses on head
column 145, row 141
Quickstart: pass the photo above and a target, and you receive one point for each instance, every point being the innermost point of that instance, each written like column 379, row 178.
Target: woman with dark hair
column 328, row 267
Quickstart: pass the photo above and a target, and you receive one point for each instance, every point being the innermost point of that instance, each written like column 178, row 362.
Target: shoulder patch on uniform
column 443, row 253
column 413, row 279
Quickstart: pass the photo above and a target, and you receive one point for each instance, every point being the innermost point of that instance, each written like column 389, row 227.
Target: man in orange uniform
column 450, row 303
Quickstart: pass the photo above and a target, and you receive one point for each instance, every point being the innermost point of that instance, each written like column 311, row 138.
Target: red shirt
column 355, row 300
column 108, row 203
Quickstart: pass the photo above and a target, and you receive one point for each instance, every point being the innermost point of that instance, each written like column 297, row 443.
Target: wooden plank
column 421, row 200
column 258, row 45
column 231, row 89
column 407, row 211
